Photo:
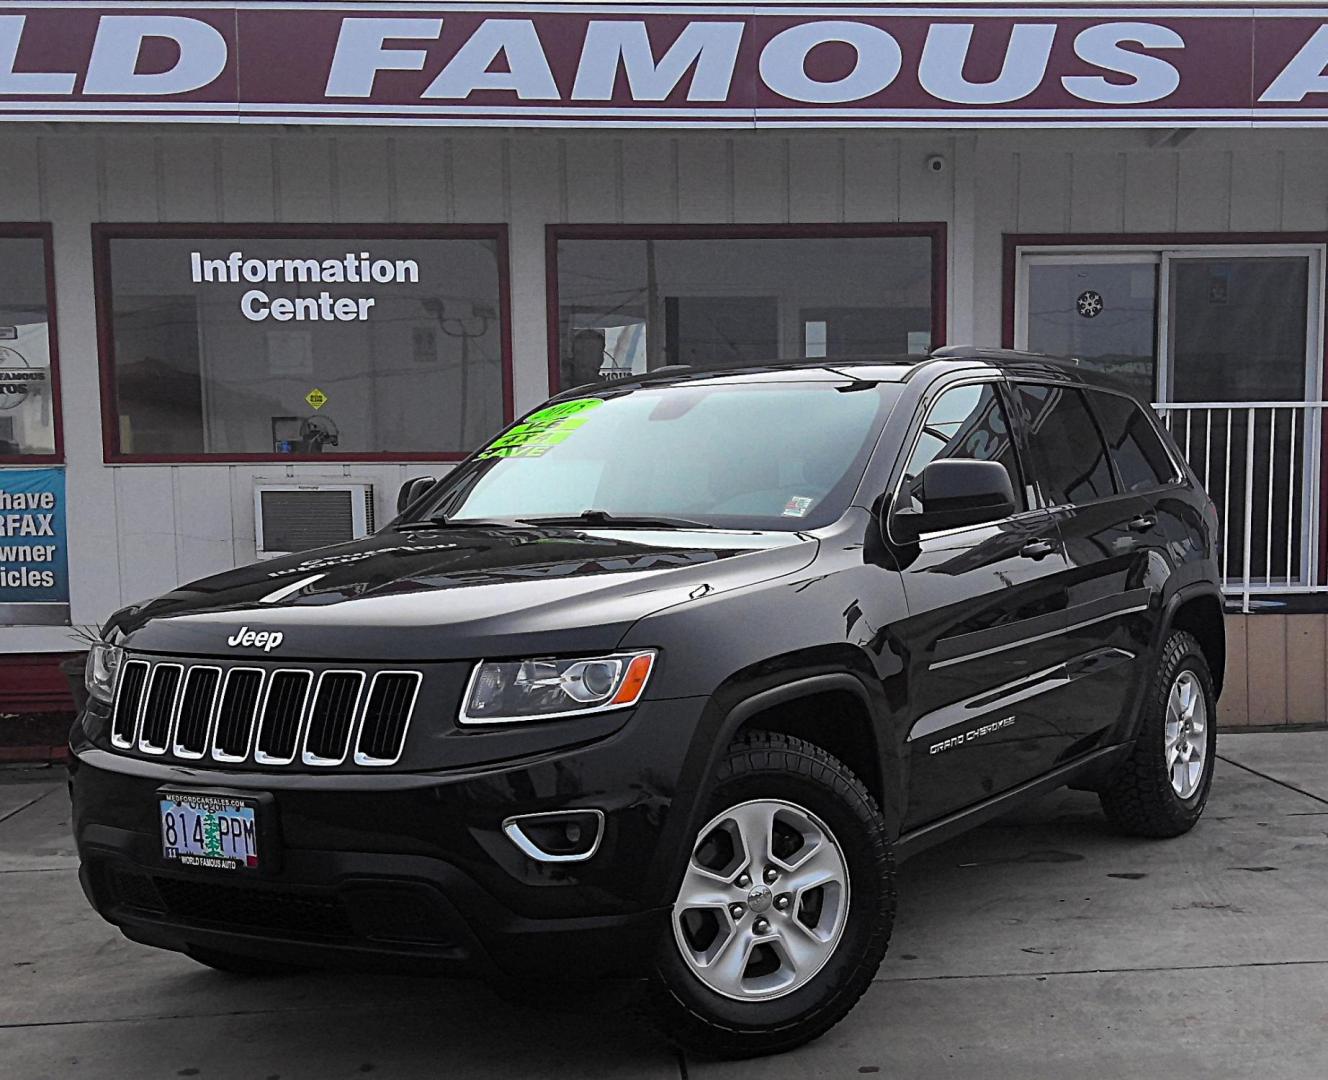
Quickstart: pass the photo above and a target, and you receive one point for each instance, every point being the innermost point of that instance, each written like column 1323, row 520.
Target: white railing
column 1259, row 461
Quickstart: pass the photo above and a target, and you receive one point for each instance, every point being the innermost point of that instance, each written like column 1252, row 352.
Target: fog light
column 560, row 836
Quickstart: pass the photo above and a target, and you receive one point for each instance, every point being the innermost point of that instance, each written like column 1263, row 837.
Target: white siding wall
column 136, row 530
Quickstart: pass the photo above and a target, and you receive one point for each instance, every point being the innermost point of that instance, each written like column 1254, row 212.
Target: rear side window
column 1069, row 461
column 1141, row 460
column 964, row 422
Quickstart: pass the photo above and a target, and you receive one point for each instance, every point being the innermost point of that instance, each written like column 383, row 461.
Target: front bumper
column 403, row 870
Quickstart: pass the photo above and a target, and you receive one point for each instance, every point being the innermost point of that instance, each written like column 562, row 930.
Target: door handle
column 1037, row 549
column 1142, row 523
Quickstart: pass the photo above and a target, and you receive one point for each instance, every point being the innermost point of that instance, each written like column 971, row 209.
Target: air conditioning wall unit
column 296, row 517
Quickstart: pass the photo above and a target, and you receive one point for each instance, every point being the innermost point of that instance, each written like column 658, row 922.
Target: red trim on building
column 41, row 230
column 34, row 683
column 1013, row 242
column 935, row 230
column 33, row 755
column 103, row 233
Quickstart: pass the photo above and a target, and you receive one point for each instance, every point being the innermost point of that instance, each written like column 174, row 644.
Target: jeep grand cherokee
column 663, row 682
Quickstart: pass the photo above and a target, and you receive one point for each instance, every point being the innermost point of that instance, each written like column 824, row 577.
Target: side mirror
column 955, row 492
column 412, row 490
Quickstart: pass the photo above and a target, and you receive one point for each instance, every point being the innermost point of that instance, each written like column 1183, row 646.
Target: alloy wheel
column 1186, row 740
column 764, row 900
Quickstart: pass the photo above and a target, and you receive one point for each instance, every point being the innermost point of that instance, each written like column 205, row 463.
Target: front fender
column 747, row 694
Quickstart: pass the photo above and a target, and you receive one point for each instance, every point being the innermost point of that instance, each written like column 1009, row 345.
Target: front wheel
column 1161, row 788
column 785, row 908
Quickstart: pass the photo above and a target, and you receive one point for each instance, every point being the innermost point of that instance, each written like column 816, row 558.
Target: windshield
column 749, row 455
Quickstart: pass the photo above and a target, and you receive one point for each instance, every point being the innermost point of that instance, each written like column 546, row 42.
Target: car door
column 983, row 602
column 1115, row 549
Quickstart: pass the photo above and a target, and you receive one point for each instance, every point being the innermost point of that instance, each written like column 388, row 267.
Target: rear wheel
column 1161, row 788
column 784, row 911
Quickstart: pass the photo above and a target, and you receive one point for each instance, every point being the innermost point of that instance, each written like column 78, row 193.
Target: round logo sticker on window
column 1090, row 304
column 17, row 378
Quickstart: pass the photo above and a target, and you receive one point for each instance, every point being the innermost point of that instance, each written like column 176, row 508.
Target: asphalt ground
column 1041, row 945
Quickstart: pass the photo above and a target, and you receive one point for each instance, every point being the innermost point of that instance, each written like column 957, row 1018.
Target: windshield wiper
column 626, row 521
column 441, row 522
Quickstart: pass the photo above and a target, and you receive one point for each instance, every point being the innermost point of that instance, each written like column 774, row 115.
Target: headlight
column 502, row 691
column 102, row 667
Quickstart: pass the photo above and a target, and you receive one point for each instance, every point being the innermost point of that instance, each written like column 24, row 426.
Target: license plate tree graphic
column 211, row 835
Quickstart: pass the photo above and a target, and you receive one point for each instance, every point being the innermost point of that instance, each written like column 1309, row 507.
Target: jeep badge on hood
column 267, row 640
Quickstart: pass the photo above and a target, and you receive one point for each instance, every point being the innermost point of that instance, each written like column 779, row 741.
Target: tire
column 813, row 800
column 1141, row 797
column 239, row 964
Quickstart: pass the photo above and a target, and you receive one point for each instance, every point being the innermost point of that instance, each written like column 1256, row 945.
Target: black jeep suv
column 662, row 682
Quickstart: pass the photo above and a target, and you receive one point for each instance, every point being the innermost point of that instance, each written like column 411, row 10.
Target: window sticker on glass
column 541, row 430
column 798, row 505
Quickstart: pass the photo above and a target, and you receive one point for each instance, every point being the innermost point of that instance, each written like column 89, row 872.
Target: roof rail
column 1009, row 356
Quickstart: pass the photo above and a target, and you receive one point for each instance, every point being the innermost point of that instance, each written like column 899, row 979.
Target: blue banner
column 34, row 565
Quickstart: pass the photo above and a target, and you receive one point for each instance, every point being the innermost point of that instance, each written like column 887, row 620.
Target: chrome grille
column 386, row 714
column 283, row 710
column 332, row 717
column 235, row 716
column 266, row 716
column 124, row 721
column 195, row 717
column 155, row 731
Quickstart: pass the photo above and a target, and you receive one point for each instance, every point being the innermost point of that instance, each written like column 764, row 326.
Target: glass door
column 1101, row 309
column 1228, row 341
column 1240, row 361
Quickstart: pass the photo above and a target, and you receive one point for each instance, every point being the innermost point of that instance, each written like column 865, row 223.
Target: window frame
column 935, row 231
column 1083, row 391
column 41, row 230
column 103, row 233
column 918, row 426
column 1177, row 472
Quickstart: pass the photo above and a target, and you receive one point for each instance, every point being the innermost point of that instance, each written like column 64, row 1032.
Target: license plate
column 215, row 832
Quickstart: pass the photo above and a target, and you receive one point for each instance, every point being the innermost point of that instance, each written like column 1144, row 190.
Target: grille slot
column 200, row 695
column 283, row 710
column 386, row 717
column 235, row 717
column 159, row 708
column 125, row 720
column 332, row 717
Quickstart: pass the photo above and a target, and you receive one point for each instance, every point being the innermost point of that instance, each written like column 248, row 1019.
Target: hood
column 454, row 593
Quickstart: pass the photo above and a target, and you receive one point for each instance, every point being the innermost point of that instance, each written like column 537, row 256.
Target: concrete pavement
column 1041, row 945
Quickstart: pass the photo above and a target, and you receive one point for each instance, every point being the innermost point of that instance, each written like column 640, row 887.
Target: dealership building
column 260, row 263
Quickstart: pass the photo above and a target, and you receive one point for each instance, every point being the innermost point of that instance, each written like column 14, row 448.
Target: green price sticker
column 541, row 430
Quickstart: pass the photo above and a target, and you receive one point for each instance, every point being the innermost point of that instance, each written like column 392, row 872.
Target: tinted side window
column 964, row 422
column 1069, row 461
column 1136, row 448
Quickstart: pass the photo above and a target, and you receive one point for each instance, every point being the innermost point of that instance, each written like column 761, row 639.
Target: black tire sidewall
column 857, row 827
column 1182, row 653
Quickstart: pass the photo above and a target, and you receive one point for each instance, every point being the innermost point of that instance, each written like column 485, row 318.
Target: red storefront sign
column 677, row 65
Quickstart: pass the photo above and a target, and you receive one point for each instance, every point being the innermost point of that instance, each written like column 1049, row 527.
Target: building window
column 629, row 300
column 29, row 382
column 300, row 342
